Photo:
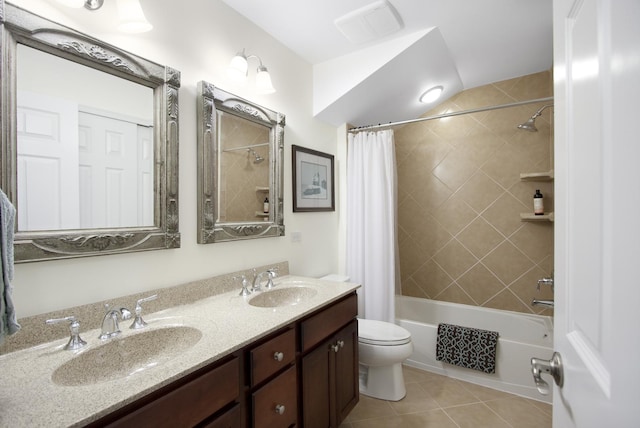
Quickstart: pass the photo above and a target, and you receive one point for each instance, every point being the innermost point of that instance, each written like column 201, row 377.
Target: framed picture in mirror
column 313, row 180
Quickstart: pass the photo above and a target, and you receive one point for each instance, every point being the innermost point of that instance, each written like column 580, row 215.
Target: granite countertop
column 30, row 398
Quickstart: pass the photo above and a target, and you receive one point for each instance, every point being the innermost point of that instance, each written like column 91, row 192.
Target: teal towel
column 8, row 319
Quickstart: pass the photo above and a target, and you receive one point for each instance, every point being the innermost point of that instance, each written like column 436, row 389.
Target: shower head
column 257, row 157
column 530, row 125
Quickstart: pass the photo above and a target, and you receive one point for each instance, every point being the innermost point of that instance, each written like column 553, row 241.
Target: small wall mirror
column 89, row 143
column 240, row 156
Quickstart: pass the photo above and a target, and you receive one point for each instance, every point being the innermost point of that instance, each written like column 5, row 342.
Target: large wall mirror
column 89, row 143
column 240, row 156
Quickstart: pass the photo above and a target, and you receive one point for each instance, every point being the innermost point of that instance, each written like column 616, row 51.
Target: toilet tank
column 335, row 277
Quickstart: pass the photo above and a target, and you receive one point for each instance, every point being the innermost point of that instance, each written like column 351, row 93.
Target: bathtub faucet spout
column 545, row 303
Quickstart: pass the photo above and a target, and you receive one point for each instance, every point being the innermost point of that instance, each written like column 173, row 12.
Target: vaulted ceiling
column 458, row 44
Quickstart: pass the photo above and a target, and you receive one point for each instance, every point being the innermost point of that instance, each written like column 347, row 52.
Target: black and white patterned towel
column 467, row 347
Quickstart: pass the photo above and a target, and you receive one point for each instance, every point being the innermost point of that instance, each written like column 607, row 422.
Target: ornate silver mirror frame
column 210, row 229
column 19, row 26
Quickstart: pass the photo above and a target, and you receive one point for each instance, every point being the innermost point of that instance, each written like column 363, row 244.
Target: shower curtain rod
column 453, row 113
column 250, row 146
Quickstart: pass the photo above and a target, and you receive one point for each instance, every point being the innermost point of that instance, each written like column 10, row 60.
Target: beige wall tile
column 507, row 262
column 480, row 284
column 480, row 237
column 452, row 170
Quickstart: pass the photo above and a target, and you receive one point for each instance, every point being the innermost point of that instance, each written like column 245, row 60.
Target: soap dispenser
column 538, row 203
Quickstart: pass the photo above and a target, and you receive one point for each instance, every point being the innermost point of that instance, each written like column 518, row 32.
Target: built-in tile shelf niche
column 537, row 176
column 265, row 190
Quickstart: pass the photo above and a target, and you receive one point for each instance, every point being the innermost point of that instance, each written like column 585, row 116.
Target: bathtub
column 522, row 336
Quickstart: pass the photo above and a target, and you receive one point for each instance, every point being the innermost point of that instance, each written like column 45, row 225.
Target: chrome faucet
column 545, row 303
column 257, row 279
column 110, row 327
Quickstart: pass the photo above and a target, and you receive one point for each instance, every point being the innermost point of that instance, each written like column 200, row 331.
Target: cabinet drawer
column 279, row 394
column 320, row 326
column 268, row 358
column 190, row 403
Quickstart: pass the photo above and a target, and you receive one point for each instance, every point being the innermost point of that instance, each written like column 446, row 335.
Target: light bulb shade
column 431, row 95
column 238, row 67
column 72, row 3
column 131, row 17
column 263, row 81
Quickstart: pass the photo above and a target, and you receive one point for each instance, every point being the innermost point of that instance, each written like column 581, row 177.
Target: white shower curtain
column 371, row 222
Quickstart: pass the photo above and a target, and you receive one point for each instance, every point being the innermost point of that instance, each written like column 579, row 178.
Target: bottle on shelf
column 265, row 207
column 538, row 203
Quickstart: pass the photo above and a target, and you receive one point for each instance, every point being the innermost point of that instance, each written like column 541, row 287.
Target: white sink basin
column 125, row 355
column 282, row 297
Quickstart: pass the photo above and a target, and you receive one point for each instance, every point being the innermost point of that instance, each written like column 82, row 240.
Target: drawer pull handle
column 280, row 409
column 278, row 356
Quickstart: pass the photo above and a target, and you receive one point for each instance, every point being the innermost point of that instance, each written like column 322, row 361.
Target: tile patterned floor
column 435, row 401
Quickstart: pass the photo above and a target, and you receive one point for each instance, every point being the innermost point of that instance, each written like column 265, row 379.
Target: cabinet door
column 330, row 388
column 347, row 388
column 316, row 388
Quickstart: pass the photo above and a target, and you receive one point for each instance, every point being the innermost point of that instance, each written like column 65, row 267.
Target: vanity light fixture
column 131, row 18
column 431, row 95
column 238, row 71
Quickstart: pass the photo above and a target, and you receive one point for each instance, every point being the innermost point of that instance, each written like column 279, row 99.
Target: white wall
column 198, row 38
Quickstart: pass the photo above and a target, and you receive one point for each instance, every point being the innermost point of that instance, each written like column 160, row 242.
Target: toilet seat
column 382, row 333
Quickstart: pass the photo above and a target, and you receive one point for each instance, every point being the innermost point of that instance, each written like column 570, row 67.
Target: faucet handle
column 75, row 341
column 545, row 281
column 245, row 285
column 271, row 273
column 138, row 322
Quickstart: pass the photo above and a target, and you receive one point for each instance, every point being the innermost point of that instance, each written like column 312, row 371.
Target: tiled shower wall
column 240, row 179
column 460, row 197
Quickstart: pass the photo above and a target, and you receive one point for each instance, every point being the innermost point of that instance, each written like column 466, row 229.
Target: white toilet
column 382, row 347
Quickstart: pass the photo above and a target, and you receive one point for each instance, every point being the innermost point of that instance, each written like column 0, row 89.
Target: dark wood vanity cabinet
column 303, row 375
column 329, row 365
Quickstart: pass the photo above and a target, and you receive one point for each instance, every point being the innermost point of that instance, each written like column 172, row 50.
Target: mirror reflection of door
column 116, row 172
column 85, row 147
column 79, row 169
column 48, row 184
column 244, row 173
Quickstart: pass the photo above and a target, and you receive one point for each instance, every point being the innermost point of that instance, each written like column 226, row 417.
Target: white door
column 47, row 158
column 597, row 228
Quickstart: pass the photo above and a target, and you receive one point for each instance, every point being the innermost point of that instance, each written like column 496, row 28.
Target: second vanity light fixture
column 239, row 67
column 131, row 18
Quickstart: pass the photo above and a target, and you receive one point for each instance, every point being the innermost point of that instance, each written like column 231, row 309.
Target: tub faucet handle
column 545, row 281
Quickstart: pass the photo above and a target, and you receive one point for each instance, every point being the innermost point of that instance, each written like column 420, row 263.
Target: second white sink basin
column 125, row 355
column 282, row 297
